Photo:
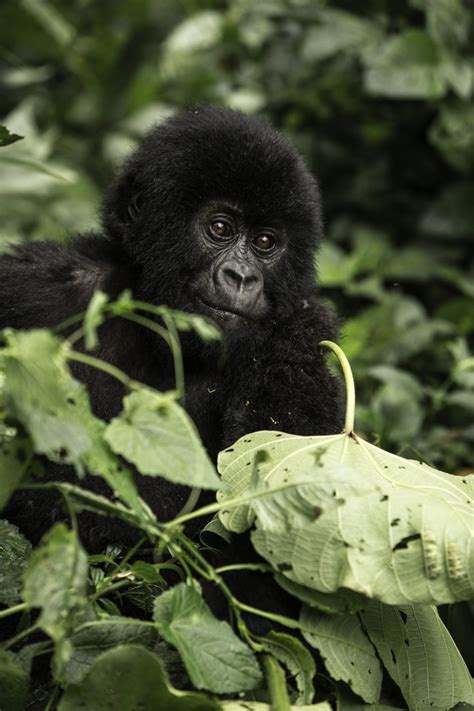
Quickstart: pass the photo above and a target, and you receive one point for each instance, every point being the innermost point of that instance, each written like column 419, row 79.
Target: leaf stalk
column 349, row 381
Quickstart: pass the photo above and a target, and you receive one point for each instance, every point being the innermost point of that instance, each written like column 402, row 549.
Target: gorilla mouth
column 223, row 311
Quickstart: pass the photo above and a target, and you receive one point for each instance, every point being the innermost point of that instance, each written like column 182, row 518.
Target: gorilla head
column 220, row 215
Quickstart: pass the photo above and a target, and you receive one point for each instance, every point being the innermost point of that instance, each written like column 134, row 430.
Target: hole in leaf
column 405, row 541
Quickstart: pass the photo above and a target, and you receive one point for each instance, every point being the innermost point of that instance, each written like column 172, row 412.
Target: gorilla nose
column 239, row 276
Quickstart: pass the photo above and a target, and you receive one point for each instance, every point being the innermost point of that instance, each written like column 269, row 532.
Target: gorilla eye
column 221, row 228
column 264, row 242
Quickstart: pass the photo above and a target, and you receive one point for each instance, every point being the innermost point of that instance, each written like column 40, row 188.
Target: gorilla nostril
column 239, row 276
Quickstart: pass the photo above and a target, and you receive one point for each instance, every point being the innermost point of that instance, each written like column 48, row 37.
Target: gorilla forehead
column 206, row 154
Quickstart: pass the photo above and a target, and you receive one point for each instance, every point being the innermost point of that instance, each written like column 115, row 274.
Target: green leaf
column 98, row 637
column 37, row 387
column 102, row 461
column 51, row 20
column 6, row 138
column 420, row 655
column 406, row 66
column 130, row 678
column 200, row 32
column 391, row 331
column 214, row 657
column 214, row 535
column 451, row 214
column 15, row 458
column 296, row 658
column 84, row 500
column 347, row 652
column 159, row 438
column 94, row 318
column 13, row 683
column 453, row 135
column 204, row 327
column 448, row 22
column 337, row 31
column 347, row 701
column 258, row 706
column 310, row 501
column 342, row 602
column 14, row 553
column 56, row 580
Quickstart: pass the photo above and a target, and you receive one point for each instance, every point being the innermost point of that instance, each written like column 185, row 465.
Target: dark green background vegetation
column 378, row 95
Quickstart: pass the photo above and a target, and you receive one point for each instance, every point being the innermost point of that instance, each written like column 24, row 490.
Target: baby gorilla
column 215, row 214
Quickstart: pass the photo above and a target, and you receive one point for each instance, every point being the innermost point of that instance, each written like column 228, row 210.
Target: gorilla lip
column 222, row 311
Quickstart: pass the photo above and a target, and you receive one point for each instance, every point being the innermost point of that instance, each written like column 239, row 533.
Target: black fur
column 271, row 374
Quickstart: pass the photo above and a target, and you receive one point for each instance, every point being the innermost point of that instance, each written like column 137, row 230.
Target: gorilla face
column 231, row 285
column 221, row 215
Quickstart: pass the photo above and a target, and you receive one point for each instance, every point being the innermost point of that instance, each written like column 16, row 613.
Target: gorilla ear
column 134, row 206
column 121, row 206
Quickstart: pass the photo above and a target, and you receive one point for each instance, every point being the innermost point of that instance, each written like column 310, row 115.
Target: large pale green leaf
column 347, row 652
column 129, row 678
column 155, row 433
column 214, row 657
column 14, row 553
column 420, row 655
column 340, row 512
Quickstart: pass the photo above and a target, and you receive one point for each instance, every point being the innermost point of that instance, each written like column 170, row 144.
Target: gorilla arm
column 285, row 383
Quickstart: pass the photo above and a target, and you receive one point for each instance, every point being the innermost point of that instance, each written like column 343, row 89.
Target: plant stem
column 276, row 684
column 349, row 380
column 260, row 567
column 13, row 610
column 52, row 698
column 106, row 368
column 190, row 503
column 110, row 588
column 175, row 346
column 130, row 553
column 24, row 633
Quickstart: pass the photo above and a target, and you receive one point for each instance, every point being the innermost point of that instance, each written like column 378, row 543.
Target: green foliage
column 130, row 677
column 6, row 138
column 311, row 522
column 401, row 636
column 156, row 435
column 13, row 683
column 14, row 553
column 347, row 652
column 379, row 97
column 223, row 663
